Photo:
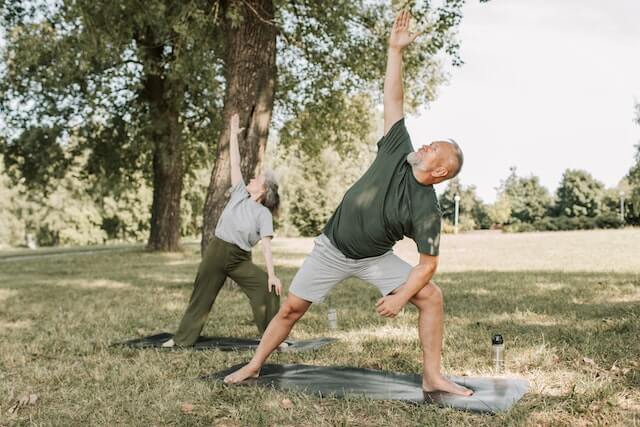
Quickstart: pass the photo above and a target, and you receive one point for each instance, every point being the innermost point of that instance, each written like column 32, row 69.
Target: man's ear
column 440, row 172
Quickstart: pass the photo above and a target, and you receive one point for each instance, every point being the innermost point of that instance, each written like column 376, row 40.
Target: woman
column 246, row 218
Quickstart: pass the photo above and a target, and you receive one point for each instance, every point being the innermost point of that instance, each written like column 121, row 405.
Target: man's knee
column 429, row 296
column 293, row 308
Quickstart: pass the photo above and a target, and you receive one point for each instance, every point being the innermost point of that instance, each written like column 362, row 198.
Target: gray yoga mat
column 491, row 395
column 223, row 343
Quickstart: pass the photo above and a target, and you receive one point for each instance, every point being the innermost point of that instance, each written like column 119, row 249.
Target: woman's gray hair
column 271, row 199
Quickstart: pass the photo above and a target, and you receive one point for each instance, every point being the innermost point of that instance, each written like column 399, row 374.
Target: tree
column 472, row 210
column 632, row 212
column 500, row 211
column 151, row 88
column 136, row 87
column 12, row 230
column 579, row 194
column 325, row 53
column 528, row 200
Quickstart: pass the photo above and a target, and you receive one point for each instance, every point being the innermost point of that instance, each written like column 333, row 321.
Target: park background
column 113, row 133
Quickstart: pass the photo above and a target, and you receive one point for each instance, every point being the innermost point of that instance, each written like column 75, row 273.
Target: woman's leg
column 253, row 282
column 209, row 280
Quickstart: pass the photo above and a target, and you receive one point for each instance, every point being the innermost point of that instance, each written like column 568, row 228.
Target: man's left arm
column 419, row 277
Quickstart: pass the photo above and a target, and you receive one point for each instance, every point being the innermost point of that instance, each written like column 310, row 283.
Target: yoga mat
column 491, row 395
column 223, row 343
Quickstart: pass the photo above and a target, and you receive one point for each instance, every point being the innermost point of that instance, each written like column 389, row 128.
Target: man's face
column 432, row 156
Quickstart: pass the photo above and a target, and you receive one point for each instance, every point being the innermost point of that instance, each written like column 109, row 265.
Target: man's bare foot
column 246, row 372
column 169, row 343
column 444, row 385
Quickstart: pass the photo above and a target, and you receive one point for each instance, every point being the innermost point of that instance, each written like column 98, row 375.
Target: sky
column 546, row 85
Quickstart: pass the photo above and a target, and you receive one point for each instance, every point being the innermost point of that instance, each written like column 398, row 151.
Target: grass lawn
column 568, row 305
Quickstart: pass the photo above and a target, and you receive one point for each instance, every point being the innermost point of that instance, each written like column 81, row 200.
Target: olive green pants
column 224, row 259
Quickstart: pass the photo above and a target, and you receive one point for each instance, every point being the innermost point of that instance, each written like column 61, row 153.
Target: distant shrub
column 519, row 227
column 467, row 223
column 565, row 223
column 609, row 220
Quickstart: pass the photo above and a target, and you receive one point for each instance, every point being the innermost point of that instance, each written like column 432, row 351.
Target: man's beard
column 414, row 160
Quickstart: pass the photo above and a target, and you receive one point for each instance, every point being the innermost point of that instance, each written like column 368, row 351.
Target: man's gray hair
column 459, row 159
column 271, row 198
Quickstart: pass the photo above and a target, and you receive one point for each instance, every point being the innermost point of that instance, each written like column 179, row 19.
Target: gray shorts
column 326, row 266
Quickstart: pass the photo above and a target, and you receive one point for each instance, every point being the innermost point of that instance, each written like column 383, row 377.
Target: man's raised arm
column 393, row 92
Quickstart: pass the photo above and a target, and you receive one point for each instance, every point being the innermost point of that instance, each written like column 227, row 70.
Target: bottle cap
column 497, row 340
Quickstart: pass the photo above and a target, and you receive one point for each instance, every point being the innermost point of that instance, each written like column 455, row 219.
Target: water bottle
column 497, row 353
column 332, row 317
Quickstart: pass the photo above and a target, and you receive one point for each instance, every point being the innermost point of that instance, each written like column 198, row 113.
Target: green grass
column 571, row 329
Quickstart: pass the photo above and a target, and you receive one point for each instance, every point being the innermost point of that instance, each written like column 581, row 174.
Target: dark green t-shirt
column 386, row 204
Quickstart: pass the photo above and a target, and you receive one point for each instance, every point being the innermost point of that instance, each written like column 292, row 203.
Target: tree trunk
column 164, row 97
column 250, row 68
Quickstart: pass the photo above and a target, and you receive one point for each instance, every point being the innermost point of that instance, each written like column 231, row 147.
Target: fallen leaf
column 186, row 408
column 286, row 404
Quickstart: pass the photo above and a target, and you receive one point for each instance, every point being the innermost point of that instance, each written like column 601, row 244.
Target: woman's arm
column 234, row 151
column 268, row 259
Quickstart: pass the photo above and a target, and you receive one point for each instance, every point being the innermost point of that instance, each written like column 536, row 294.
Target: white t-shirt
column 244, row 221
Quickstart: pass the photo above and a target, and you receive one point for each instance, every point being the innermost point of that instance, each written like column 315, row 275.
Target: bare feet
column 246, row 372
column 169, row 343
column 444, row 385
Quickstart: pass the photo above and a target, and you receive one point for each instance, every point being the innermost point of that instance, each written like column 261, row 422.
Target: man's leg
column 386, row 272
column 320, row 272
column 430, row 304
column 277, row 331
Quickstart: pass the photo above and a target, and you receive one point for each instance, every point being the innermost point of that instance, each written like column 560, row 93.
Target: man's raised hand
column 400, row 36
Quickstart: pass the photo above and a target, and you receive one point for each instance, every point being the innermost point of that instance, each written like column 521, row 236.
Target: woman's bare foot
column 169, row 343
column 246, row 372
column 283, row 346
column 444, row 385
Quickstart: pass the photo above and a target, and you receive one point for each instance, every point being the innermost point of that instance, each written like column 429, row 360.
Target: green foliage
column 632, row 193
column 566, row 223
column 473, row 212
column 579, row 194
column 313, row 182
column 12, row 231
column 500, row 211
column 64, row 215
column 193, row 201
column 125, row 211
column 84, row 67
column 528, row 199
column 118, row 77
column 76, row 210
column 312, row 187
column 81, row 67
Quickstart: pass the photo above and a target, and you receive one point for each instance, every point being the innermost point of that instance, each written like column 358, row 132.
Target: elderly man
column 393, row 199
